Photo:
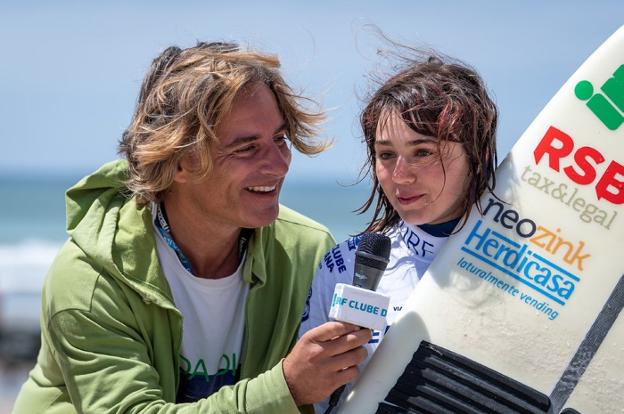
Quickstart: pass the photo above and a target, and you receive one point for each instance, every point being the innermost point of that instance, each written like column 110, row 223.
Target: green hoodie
column 111, row 334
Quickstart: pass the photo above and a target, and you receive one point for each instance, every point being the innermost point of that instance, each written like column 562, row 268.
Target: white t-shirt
column 412, row 250
column 213, row 312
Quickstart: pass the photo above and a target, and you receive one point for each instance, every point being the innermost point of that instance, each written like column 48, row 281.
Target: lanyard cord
column 165, row 232
column 163, row 228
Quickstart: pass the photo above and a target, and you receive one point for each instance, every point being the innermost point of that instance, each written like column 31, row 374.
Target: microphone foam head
column 374, row 250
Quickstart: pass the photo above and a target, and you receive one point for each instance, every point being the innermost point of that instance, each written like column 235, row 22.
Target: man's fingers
column 348, row 341
column 353, row 339
column 348, row 359
column 331, row 330
column 326, row 356
column 347, row 375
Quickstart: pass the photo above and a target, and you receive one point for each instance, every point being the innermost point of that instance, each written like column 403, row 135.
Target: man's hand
column 323, row 359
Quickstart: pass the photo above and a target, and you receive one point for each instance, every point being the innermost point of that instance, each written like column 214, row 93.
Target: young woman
column 430, row 136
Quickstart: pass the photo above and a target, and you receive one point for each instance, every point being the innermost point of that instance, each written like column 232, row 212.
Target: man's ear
column 186, row 168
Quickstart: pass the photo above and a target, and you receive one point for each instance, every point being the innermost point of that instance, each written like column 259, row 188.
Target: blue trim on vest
column 440, row 229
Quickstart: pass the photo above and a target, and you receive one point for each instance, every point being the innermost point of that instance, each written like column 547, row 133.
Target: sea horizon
column 32, row 218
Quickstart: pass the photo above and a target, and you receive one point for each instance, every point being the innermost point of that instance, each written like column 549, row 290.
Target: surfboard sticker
column 532, row 289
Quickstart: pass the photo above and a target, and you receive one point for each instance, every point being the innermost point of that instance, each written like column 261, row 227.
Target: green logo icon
column 608, row 106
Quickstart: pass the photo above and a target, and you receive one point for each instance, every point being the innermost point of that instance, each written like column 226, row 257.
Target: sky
column 70, row 71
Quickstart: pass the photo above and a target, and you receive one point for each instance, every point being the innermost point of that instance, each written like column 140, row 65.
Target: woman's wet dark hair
column 439, row 97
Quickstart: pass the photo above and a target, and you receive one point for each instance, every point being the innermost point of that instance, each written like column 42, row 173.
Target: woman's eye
column 385, row 155
column 422, row 152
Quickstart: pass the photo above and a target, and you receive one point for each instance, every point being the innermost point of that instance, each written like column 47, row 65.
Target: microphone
column 371, row 260
column 359, row 304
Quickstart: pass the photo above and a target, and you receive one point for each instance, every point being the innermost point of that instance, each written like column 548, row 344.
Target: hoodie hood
column 107, row 224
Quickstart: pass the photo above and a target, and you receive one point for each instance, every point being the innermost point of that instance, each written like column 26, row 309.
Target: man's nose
column 276, row 161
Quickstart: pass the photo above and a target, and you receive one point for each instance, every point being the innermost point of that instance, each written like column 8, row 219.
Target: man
column 183, row 280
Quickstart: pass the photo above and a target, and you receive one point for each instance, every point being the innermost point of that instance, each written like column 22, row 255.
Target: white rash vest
column 412, row 250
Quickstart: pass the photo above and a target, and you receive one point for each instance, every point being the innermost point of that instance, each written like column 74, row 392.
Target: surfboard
column 520, row 311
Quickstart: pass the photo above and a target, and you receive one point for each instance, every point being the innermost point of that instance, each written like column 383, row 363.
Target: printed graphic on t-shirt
column 196, row 382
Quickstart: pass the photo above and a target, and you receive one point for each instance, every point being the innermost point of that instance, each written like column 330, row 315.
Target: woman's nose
column 402, row 172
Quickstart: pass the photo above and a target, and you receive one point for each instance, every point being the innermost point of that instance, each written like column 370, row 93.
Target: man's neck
column 212, row 248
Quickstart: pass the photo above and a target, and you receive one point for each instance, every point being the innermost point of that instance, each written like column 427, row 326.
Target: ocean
column 32, row 214
column 32, row 229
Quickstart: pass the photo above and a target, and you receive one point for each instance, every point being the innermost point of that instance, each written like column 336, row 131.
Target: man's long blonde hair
column 184, row 97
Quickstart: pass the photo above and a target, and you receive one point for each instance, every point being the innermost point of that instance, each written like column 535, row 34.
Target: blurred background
column 70, row 74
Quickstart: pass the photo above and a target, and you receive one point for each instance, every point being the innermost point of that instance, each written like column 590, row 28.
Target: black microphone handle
column 371, row 259
column 365, row 277
column 334, row 398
